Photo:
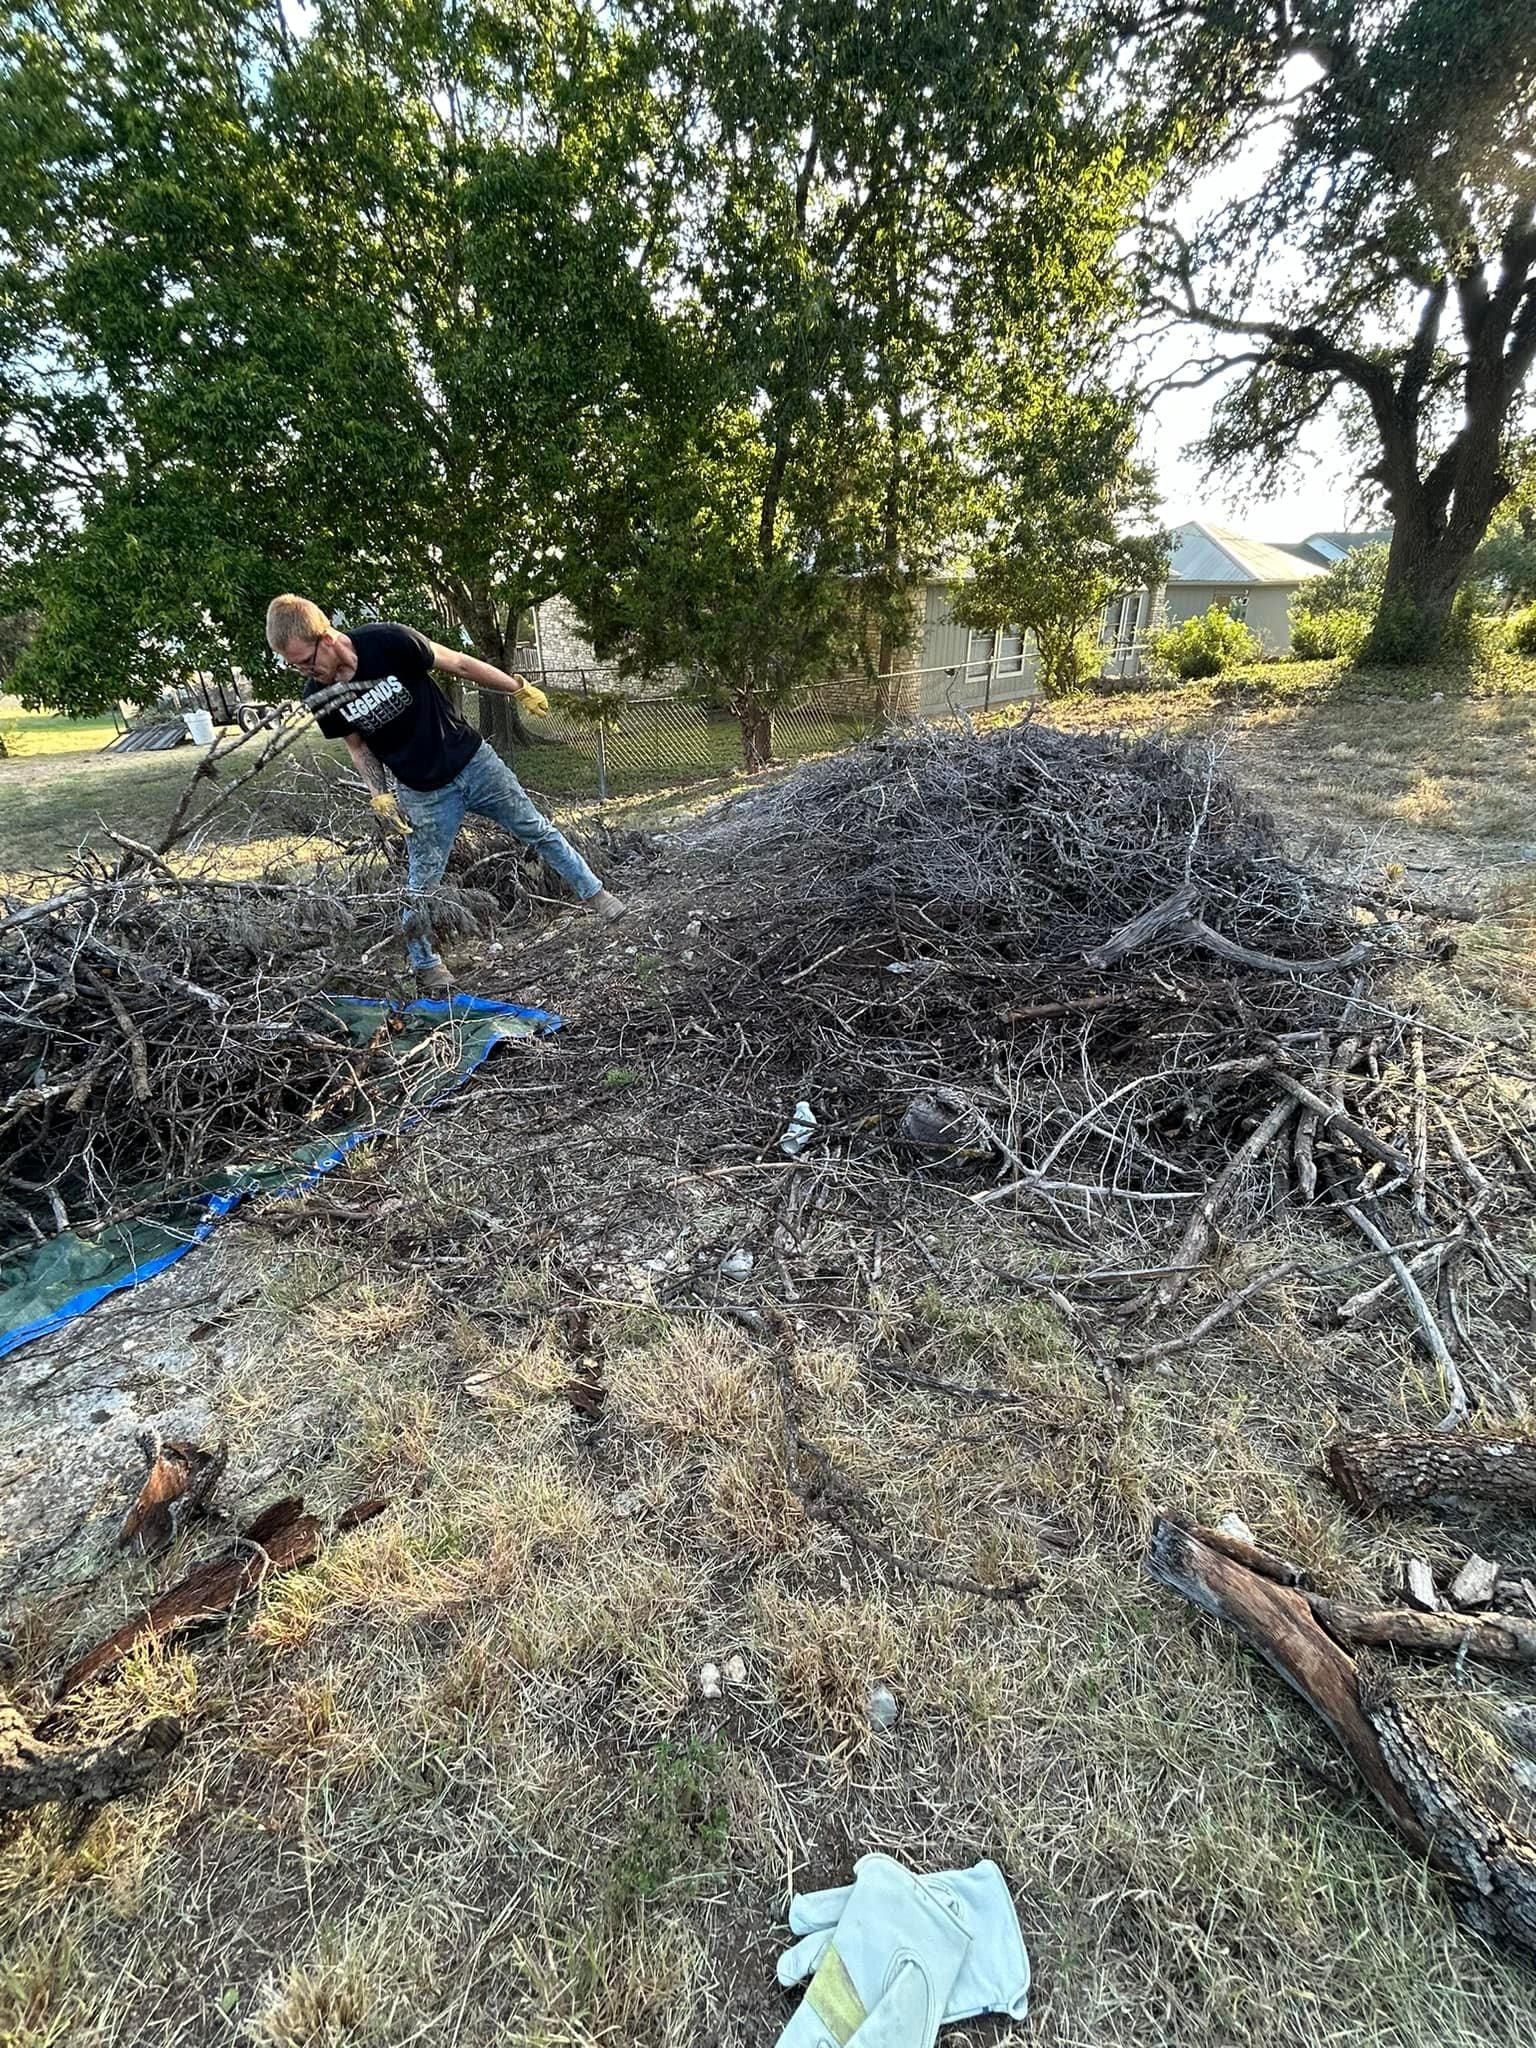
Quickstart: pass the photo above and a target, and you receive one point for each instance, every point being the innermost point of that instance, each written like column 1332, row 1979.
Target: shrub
column 1205, row 645
column 1328, row 636
column 1354, row 584
column 1522, row 631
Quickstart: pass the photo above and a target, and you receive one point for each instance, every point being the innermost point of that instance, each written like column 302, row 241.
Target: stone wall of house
column 561, row 640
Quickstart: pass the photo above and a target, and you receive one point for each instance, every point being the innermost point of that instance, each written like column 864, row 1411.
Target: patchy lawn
column 458, row 1782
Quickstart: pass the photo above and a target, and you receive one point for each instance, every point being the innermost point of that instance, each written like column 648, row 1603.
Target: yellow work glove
column 532, row 698
column 385, row 806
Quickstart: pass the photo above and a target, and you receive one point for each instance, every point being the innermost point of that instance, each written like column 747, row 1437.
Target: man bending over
column 442, row 767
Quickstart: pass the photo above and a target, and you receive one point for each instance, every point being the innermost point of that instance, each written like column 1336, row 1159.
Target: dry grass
column 456, row 1783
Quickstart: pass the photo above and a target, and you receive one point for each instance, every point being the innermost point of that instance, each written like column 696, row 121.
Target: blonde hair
column 294, row 618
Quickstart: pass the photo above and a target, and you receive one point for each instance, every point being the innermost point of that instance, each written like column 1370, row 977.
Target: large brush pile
column 1080, row 974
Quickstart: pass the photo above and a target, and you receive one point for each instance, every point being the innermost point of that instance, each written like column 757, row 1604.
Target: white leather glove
column 885, row 1972
column 995, row 1974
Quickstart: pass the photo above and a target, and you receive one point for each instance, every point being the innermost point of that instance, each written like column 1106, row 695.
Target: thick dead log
column 1401, row 1471
column 1491, row 1864
column 35, row 1773
column 1278, row 1622
column 1494, row 1638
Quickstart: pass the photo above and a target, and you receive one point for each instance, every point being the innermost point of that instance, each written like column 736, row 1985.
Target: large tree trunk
column 1425, row 570
column 493, row 636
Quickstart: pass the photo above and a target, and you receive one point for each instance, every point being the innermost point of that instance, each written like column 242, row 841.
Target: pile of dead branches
column 161, row 1016
column 1079, row 974
column 152, row 1031
column 163, row 1013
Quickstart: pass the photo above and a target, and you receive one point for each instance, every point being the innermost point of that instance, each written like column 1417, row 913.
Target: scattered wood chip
column 1419, row 1584
column 180, row 1478
column 1473, row 1585
column 586, row 1393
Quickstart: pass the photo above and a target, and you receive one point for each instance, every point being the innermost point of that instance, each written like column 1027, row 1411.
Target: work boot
column 605, row 906
column 434, row 981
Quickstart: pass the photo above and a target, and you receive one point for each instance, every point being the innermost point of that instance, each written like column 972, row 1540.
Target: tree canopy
column 1383, row 264
column 347, row 312
column 677, row 310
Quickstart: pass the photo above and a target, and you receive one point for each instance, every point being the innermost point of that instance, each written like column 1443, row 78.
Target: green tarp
column 438, row 1046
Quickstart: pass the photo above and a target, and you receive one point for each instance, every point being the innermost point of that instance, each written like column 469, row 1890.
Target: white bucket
column 199, row 724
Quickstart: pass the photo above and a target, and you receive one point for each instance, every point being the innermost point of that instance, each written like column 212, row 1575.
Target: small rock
column 1473, row 1585
column 1232, row 1524
column 710, row 1687
column 884, row 1708
column 688, row 956
column 1419, row 1584
column 736, row 1669
column 738, row 1264
column 692, row 928
column 1437, row 696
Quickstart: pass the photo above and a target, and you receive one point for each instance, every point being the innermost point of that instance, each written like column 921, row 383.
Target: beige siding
column 964, row 670
column 1265, row 612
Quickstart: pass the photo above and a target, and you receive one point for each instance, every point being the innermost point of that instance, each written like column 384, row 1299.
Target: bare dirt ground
column 458, row 1781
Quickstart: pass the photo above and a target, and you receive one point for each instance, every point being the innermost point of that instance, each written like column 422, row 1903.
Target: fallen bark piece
column 282, row 1537
column 1490, row 1863
column 1400, row 1471
column 1419, row 1584
column 35, row 1773
column 1474, row 1584
column 181, row 1476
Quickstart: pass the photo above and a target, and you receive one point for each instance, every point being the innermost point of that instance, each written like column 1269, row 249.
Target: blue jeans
column 486, row 786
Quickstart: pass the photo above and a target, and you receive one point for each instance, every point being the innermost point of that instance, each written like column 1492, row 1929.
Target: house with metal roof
column 1209, row 564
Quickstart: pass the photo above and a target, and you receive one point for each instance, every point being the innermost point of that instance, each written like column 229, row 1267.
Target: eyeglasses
column 307, row 667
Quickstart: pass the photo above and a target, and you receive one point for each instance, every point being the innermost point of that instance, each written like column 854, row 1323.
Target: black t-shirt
column 405, row 718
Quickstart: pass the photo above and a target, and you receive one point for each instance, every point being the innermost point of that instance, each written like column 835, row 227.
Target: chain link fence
column 605, row 736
